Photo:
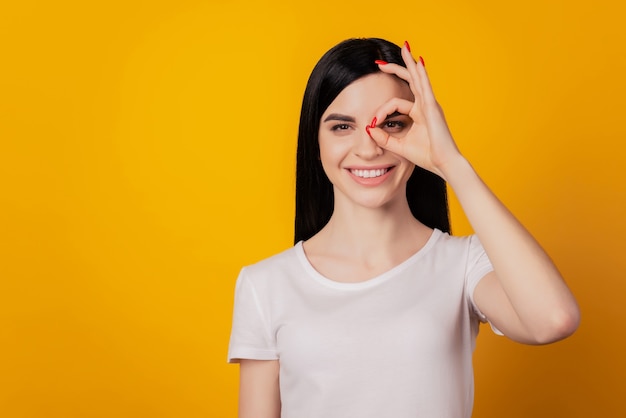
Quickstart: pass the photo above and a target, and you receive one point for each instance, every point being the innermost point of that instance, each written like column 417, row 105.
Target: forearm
column 259, row 393
column 532, row 283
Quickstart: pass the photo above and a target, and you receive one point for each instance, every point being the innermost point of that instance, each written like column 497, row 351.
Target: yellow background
column 147, row 153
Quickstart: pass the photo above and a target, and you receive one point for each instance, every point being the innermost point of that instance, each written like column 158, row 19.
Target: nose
column 365, row 147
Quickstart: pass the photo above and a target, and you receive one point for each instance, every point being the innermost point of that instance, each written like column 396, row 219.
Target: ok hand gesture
column 428, row 143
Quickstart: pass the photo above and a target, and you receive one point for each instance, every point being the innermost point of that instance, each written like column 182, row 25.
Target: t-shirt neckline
column 374, row 281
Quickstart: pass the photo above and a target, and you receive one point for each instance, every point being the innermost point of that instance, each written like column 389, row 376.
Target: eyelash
column 340, row 127
column 387, row 124
column 390, row 124
column 394, row 124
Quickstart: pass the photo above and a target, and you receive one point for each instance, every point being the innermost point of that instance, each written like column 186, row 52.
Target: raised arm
column 525, row 296
column 259, row 395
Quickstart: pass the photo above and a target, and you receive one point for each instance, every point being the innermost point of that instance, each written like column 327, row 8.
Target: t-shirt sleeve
column 478, row 265
column 250, row 336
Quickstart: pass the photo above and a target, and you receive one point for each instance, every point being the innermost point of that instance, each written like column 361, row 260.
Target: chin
column 373, row 203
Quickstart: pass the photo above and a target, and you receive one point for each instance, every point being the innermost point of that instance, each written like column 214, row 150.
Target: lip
column 371, row 181
column 370, row 167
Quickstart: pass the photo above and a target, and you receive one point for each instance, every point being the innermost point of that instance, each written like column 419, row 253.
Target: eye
column 340, row 127
column 394, row 125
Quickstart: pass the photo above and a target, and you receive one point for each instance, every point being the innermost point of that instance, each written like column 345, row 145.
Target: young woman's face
column 360, row 171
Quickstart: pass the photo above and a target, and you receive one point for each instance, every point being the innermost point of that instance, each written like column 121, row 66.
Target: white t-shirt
column 396, row 346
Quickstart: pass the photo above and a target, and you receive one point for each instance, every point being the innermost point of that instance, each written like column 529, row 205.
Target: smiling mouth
column 367, row 174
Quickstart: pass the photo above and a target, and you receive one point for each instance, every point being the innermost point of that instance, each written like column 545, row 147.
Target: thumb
column 384, row 140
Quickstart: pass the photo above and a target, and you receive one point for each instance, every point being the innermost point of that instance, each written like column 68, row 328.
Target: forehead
column 366, row 94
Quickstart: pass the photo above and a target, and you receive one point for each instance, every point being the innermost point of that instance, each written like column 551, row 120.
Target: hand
column 428, row 143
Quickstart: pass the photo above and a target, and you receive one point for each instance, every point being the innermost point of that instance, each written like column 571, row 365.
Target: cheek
column 332, row 153
column 328, row 160
column 408, row 169
column 333, row 150
column 325, row 156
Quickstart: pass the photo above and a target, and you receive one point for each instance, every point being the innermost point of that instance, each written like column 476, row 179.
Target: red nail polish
column 367, row 129
column 373, row 125
column 406, row 43
column 422, row 61
column 381, row 62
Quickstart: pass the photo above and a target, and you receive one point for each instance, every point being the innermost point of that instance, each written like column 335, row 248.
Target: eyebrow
column 337, row 116
column 345, row 118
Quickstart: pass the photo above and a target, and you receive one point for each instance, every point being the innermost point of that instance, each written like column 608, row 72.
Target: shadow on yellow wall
column 147, row 153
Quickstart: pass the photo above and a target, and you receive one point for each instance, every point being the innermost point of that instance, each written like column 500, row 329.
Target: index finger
column 402, row 73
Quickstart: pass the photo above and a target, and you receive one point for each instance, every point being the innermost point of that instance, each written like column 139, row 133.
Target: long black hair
column 340, row 66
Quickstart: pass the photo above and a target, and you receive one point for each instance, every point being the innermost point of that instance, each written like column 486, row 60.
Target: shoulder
column 273, row 266
column 445, row 242
column 461, row 251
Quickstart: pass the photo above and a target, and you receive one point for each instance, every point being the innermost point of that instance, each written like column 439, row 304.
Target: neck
column 366, row 233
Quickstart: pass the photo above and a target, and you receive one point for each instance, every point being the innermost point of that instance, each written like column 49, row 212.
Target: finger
column 385, row 140
column 411, row 67
column 402, row 73
column 418, row 73
column 397, row 70
column 396, row 104
column 427, row 88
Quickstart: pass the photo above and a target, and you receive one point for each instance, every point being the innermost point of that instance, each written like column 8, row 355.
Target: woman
column 374, row 312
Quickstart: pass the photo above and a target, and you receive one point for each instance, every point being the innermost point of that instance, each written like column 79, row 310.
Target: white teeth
column 366, row 174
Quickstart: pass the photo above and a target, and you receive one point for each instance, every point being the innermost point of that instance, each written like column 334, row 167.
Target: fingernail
column 381, row 62
column 406, row 43
column 367, row 129
column 422, row 61
column 373, row 125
